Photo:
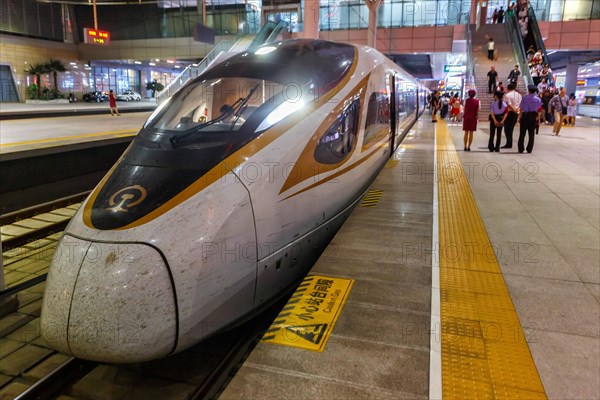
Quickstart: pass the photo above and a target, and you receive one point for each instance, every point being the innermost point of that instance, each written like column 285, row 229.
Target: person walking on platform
column 435, row 104
column 112, row 103
column 491, row 47
column 470, row 118
column 513, row 77
column 531, row 106
column 558, row 106
column 513, row 101
column 492, row 75
column 572, row 110
column 498, row 114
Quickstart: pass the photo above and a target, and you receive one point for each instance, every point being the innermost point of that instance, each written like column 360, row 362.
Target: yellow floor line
column 121, row 133
column 484, row 351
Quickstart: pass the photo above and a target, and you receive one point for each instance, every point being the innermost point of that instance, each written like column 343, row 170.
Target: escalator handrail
column 539, row 40
column 512, row 26
column 263, row 35
column 470, row 81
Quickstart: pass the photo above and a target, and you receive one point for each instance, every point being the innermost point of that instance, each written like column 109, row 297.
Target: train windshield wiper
column 235, row 110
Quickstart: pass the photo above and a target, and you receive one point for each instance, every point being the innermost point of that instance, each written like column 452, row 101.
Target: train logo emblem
column 126, row 198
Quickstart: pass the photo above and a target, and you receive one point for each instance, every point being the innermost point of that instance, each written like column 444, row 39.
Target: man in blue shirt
column 529, row 118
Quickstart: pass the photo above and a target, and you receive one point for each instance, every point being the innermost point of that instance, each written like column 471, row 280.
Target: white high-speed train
column 230, row 191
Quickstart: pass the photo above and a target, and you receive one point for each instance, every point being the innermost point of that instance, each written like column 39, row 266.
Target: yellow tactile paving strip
column 484, row 351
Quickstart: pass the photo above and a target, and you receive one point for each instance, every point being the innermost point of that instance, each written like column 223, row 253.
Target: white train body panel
column 159, row 258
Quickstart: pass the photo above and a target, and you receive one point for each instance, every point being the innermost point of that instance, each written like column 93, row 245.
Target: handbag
column 564, row 109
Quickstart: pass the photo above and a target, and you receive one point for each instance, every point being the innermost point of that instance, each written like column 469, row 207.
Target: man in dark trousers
column 513, row 77
column 501, row 15
column 513, row 100
column 492, row 75
column 531, row 105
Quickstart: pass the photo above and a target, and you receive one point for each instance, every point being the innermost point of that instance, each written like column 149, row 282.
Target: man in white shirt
column 513, row 100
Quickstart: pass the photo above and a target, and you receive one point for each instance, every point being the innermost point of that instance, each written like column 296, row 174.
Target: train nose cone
column 109, row 302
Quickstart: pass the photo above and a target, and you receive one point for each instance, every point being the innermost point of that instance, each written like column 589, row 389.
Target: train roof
column 305, row 62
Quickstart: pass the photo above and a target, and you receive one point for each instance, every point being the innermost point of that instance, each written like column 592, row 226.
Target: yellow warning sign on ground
column 308, row 318
column 371, row 198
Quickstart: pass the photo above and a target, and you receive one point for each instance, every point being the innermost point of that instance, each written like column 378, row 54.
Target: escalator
column 514, row 34
column 533, row 39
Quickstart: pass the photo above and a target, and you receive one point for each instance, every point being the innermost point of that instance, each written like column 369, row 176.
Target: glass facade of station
column 354, row 14
column 178, row 18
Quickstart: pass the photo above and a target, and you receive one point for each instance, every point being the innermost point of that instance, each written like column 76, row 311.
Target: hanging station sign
column 96, row 36
column 455, row 68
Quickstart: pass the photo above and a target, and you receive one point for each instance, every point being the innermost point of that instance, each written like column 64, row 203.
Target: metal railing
column 514, row 35
column 192, row 71
column 268, row 33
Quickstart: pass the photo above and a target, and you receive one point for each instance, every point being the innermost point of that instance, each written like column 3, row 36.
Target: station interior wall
column 18, row 52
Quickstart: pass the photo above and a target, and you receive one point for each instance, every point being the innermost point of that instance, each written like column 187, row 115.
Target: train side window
column 339, row 140
column 378, row 117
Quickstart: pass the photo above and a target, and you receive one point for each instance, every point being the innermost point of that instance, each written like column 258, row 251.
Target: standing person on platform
column 513, row 101
column 495, row 16
column 501, row 15
column 513, row 77
column 470, row 118
column 112, row 103
column 558, row 107
column 531, row 106
column 455, row 108
column 491, row 47
column 572, row 110
column 492, row 75
column 498, row 114
column 435, row 104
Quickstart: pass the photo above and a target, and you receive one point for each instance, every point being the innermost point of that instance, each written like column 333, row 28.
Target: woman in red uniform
column 470, row 118
column 455, row 110
column 112, row 102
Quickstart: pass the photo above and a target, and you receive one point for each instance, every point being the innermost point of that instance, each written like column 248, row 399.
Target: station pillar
column 571, row 77
column 311, row 19
column 373, row 6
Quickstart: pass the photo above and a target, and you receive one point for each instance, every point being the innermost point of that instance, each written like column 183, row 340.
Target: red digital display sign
column 96, row 36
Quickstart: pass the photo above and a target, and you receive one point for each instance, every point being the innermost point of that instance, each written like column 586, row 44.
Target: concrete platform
column 380, row 345
column 29, row 134
column 539, row 216
column 44, row 109
column 542, row 213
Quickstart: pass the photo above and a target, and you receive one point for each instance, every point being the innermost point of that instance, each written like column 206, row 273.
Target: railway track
column 30, row 370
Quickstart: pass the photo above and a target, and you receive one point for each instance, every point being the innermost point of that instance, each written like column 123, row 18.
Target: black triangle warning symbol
column 313, row 333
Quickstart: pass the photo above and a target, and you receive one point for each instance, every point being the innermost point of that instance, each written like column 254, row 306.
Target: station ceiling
column 418, row 65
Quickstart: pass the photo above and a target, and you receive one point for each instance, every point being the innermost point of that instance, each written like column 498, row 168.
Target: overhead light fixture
column 157, row 60
column 137, row 62
column 177, row 66
column 152, row 64
column 170, row 61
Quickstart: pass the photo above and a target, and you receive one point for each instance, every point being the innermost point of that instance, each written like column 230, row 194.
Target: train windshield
column 251, row 91
column 217, row 105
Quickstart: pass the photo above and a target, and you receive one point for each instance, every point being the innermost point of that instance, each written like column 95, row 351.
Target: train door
column 393, row 114
column 417, row 94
